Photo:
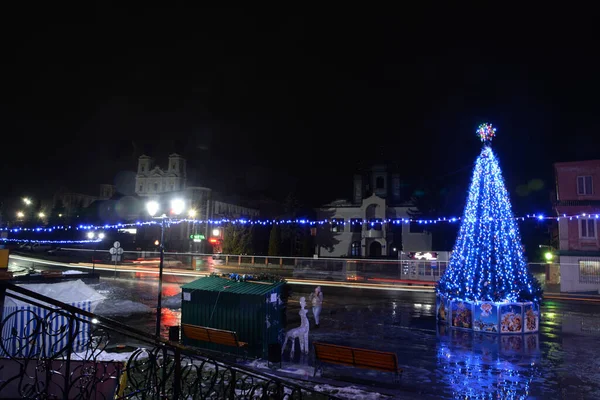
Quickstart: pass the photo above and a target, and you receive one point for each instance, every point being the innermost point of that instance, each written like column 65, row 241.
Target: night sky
column 275, row 101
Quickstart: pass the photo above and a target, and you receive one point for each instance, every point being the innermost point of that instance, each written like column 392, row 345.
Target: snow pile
column 75, row 293
column 72, row 272
column 172, row 301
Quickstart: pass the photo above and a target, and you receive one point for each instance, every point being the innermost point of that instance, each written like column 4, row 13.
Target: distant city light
column 192, row 213
column 90, row 235
column 41, row 215
column 27, row 200
column 101, row 235
column 20, row 214
column 152, row 207
column 177, row 206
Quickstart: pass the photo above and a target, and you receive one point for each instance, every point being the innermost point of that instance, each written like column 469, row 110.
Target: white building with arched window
column 357, row 228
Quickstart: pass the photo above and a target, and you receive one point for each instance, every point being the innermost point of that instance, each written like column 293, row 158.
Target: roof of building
column 216, row 284
column 574, row 163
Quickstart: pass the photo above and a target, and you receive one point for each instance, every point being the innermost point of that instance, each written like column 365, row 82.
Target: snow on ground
column 72, row 272
column 305, row 372
column 349, row 392
column 121, row 307
column 172, row 301
column 99, row 355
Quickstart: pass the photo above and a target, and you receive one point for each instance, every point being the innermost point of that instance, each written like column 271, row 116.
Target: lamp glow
column 101, row 235
column 90, row 235
column 20, row 214
column 192, row 213
column 177, row 206
column 152, row 208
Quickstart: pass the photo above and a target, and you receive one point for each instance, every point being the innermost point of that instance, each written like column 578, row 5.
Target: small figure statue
column 317, row 304
column 300, row 332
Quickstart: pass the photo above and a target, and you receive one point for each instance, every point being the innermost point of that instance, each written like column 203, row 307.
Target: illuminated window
column 584, row 185
column 337, row 225
column 589, row 271
column 588, row 228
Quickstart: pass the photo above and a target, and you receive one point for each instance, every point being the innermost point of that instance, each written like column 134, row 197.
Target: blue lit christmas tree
column 488, row 263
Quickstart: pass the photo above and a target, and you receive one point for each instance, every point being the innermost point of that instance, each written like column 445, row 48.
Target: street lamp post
column 91, row 236
column 177, row 207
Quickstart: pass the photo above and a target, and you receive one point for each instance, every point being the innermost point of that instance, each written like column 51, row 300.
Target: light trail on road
column 199, row 274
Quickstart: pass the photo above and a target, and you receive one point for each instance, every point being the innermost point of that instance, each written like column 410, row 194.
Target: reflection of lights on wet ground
column 471, row 375
column 169, row 317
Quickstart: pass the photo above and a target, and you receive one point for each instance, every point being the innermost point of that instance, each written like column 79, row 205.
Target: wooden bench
column 354, row 357
column 212, row 335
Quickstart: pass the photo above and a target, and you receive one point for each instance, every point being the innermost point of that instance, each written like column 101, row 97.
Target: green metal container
column 254, row 310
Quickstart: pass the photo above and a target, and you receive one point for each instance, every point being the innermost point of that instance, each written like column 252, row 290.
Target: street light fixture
column 20, row 214
column 192, row 213
column 41, row 215
column 27, row 201
column 549, row 254
column 91, row 236
column 177, row 207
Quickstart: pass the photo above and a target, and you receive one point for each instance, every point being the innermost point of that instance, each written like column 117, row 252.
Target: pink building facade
column 578, row 207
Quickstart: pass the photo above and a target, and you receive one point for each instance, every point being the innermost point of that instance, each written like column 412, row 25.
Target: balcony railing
column 51, row 350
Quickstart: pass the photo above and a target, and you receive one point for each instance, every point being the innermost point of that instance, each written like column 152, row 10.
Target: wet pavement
column 561, row 361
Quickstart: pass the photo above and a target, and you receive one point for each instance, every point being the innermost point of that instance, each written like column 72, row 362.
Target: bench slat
column 211, row 335
column 362, row 358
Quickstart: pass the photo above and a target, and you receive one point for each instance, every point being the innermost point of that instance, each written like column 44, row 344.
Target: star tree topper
column 486, row 133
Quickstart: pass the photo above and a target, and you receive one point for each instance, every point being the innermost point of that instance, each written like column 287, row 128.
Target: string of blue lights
column 332, row 221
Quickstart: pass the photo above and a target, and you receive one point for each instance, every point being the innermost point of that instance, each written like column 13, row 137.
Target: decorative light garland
column 48, row 241
column 353, row 221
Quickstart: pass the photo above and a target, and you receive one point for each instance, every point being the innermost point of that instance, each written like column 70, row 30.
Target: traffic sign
column 116, row 252
column 197, row 237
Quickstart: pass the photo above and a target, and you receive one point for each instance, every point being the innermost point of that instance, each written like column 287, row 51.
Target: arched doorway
column 375, row 249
